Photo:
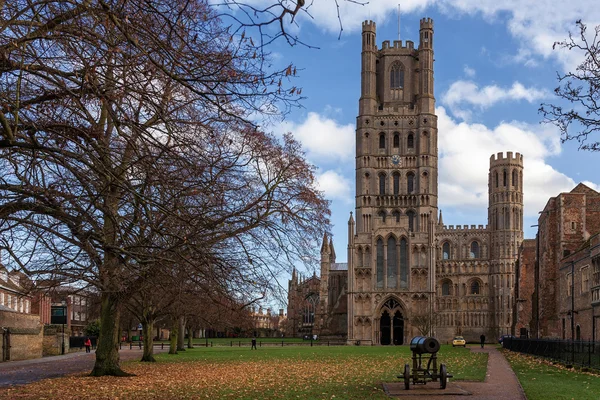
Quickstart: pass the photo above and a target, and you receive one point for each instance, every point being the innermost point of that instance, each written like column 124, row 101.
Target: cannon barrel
column 422, row 345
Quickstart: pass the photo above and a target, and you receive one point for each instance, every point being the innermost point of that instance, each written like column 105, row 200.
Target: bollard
column 120, row 345
column 206, row 342
column 240, row 343
column 140, row 344
column 232, row 343
column 162, row 345
column 260, row 344
column 130, row 345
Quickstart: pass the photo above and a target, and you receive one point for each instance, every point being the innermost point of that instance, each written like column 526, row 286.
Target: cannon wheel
column 443, row 376
column 406, row 376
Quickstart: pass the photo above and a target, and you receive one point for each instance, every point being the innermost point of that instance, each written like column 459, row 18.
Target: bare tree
column 122, row 119
column 581, row 89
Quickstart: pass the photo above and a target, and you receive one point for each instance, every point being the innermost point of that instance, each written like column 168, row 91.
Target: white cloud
column 335, row 186
column 462, row 93
column 469, row 72
column 535, row 24
column 465, row 151
column 323, row 138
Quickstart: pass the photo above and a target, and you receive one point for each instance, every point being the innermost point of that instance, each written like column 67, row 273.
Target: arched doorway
column 391, row 323
column 385, row 329
column 398, row 326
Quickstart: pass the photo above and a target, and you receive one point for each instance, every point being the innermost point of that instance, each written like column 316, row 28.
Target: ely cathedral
column 408, row 273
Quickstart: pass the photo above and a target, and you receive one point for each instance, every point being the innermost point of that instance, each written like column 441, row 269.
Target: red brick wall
column 525, row 285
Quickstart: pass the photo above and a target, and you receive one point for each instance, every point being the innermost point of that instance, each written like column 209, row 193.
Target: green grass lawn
column 541, row 380
column 221, row 372
column 346, row 372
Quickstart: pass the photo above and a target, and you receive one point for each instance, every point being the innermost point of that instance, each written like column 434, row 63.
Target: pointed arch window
column 403, row 263
column 396, row 215
column 446, row 288
column 515, row 178
column 397, row 76
column 410, row 141
column 382, row 140
column 446, row 251
column 411, row 220
column 474, row 253
column 496, row 176
column 379, row 263
column 505, row 178
column 381, row 184
column 410, row 182
column 382, row 214
column 396, row 180
column 392, row 263
column 396, row 140
column 475, row 287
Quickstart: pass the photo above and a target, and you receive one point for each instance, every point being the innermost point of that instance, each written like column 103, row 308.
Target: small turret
column 441, row 220
column 427, row 101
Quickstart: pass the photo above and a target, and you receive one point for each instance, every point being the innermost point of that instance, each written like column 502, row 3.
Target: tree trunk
column 190, row 338
column 181, row 335
column 147, row 328
column 173, row 337
column 107, row 352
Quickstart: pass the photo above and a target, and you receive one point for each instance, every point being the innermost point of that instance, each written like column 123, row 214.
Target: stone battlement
column 500, row 158
column 409, row 44
column 465, row 227
column 426, row 23
column 368, row 26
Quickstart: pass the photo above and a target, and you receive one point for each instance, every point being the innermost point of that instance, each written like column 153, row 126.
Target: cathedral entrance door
column 398, row 330
column 385, row 328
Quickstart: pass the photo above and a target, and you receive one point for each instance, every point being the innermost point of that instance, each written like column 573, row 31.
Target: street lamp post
column 63, row 326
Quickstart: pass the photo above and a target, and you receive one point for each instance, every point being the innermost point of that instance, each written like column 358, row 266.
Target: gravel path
column 29, row 371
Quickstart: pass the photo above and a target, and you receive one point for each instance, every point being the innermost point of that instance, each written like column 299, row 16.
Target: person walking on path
column 88, row 345
column 482, row 337
column 253, row 344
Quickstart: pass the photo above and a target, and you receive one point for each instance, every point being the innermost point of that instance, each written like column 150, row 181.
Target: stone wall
column 53, row 340
column 24, row 332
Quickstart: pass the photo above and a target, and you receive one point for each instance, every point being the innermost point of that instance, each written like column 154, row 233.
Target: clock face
column 396, row 160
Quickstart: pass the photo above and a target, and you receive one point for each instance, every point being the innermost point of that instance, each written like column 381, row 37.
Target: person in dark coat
column 482, row 337
column 253, row 344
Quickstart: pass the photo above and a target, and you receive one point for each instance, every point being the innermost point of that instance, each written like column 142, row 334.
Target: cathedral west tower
column 407, row 273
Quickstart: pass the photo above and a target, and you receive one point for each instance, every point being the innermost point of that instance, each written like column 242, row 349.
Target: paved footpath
column 29, row 371
column 500, row 383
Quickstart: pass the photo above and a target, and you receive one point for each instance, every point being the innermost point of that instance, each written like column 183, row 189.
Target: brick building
column 524, row 290
column 20, row 331
column 565, row 226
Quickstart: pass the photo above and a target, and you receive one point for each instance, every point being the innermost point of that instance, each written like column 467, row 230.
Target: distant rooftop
column 339, row 267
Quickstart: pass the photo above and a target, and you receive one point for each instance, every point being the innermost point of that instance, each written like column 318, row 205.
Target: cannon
column 427, row 347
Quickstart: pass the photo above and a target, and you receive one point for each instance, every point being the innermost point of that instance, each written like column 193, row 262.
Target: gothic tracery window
column 379, row 263
column 392, row 262
column 396, row 77
column 396, row 140
column 382, row 140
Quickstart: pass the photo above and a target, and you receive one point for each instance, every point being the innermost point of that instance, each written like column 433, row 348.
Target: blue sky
column 494, row 65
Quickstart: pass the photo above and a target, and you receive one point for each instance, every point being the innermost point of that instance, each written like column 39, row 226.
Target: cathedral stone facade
column 408, row 273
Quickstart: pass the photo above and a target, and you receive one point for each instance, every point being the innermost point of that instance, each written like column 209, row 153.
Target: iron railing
column 577, row 353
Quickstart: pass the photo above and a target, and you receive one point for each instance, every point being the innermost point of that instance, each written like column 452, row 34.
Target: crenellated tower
column 368, row 98
column 426, row 99
column 505, row 221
